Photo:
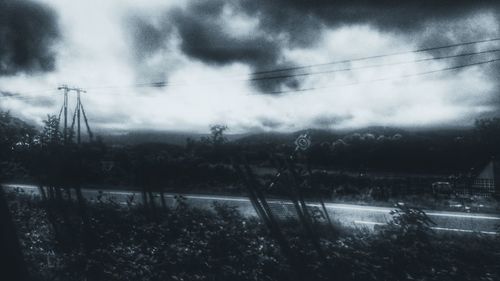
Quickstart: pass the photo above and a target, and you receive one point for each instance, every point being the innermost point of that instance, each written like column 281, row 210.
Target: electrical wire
column 389, row 78
column 161, row 84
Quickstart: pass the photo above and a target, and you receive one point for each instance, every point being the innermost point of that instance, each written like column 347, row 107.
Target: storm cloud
column 28, row 31
column 211, row 31
column 182, row 65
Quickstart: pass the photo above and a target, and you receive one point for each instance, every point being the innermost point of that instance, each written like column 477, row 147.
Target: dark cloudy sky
column 209, row 52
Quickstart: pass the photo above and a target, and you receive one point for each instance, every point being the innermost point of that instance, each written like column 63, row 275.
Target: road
column 350, row 215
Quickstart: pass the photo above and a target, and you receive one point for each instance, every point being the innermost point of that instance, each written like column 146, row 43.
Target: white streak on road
column 434, row 227
column 468, row 216
column 369, row 222
column 345, row 213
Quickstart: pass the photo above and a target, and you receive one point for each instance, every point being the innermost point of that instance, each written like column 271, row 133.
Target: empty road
column 347, row 214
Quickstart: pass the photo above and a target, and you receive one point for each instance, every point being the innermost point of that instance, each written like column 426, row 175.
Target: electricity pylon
column 77, row 113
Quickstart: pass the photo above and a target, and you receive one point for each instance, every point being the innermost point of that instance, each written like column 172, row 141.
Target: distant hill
column 377, row 130
column 139, row 137
column 180, row 138
column 317, row 135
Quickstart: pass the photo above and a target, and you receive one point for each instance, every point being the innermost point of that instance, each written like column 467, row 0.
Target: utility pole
column 77, row 114
column 78, row 105
column 66, row 89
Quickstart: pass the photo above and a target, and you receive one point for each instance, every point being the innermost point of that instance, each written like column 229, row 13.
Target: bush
column 185, row 243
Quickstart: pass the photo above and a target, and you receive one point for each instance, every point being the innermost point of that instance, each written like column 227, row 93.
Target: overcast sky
column 208, row 52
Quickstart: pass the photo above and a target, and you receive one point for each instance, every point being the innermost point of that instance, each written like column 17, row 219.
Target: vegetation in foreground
column 67, row 240
column 182, row 243
column 345, row 167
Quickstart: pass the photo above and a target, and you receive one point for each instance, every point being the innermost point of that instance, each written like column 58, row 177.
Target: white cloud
column 95, row 53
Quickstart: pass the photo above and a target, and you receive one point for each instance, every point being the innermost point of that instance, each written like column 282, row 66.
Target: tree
column 217, row 134
column 14, row 132
column 51, row 135
column 15, row 135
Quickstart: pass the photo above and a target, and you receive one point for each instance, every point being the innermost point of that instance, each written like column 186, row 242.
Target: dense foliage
column 183, row 243
column 73, row 240
column 204, row 165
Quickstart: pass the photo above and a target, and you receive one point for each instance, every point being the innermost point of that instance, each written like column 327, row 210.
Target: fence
column 478, row 187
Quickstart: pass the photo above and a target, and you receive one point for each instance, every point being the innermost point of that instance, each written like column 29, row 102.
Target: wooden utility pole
column 78, row 106
column 66, row 89
column 79, row 111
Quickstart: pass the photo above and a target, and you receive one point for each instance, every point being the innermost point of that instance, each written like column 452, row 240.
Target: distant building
column 487, row 181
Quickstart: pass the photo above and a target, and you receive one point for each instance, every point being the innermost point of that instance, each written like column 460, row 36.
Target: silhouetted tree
column 217, row 134
column 51, row 134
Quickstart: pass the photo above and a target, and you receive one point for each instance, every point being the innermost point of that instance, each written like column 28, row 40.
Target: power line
column 164, row 84
column 367, row 66
column 377, row 56
column 370, row 81
column 387, row 78
column 161, row 84
column 370, row 66
column 355, row 83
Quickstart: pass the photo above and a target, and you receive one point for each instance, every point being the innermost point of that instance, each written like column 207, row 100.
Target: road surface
column 359, row 216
